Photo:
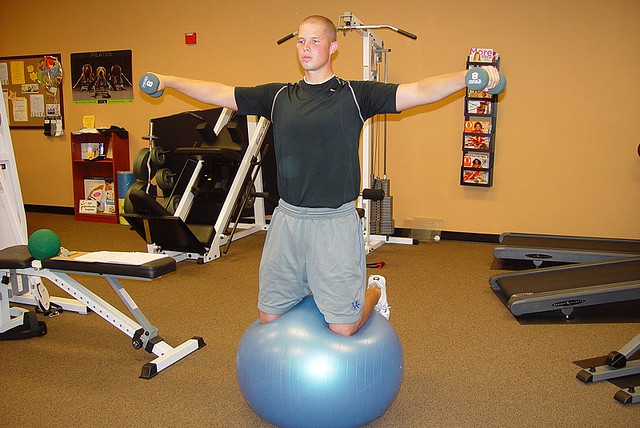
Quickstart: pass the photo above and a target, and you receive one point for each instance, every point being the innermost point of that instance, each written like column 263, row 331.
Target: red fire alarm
column 190, row 38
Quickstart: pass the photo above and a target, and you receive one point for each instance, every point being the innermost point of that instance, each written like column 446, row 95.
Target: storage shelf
column 118, row 160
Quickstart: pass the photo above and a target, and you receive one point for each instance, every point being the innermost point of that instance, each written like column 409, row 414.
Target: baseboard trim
column 400, row 232
column 470, row 237
column 48, row 209
column 454, row 236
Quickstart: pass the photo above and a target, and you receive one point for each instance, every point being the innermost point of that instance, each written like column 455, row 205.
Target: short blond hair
column 329, row 27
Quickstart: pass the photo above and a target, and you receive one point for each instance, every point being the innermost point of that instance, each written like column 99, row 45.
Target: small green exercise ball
column 44, row 243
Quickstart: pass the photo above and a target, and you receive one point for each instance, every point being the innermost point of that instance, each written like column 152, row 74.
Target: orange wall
column 566, row 159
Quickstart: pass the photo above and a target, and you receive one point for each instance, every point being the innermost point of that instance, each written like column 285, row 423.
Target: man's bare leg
column 371, row 297
column 265, row 317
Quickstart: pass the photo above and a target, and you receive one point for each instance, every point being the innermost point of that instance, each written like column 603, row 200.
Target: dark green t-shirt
column 316, row 132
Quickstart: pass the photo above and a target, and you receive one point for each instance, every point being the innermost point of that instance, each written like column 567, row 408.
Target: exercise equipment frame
column 13, row 223
column 16, row 261
column 372, row 51
column 617, row 365
column 148, row 227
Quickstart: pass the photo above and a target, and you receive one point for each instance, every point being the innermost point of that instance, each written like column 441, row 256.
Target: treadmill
column 605, row 271
column 609, row 275
column 567, row 287
column 563, row 249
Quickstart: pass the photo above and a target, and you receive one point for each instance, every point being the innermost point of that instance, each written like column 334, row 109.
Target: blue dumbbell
column 477, row 79
column 149, row 85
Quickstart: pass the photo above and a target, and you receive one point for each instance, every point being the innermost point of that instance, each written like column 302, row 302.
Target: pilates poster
column 102, row 77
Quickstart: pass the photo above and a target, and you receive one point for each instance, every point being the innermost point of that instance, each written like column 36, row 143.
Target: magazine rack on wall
column 480, row 115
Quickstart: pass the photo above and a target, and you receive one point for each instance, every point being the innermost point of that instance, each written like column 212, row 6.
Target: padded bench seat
column 15, row 257
column 148, row 270
column 19, row 257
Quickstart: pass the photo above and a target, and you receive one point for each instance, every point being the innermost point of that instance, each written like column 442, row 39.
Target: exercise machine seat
column 15, row 257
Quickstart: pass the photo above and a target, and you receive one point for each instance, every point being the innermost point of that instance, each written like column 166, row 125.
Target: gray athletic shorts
column 319, row 250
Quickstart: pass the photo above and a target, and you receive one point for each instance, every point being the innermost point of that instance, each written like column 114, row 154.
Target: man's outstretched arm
column 207, row 92
column 435, row 88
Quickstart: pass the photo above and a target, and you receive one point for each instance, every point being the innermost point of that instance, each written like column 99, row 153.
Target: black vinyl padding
column 148, row 270
column 15, row 257
column 19, row 257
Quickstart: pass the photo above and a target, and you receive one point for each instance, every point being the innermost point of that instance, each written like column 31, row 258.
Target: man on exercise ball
column 315, row 243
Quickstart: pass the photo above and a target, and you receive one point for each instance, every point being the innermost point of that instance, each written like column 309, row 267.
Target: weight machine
column 168, row 231
column 377, row 222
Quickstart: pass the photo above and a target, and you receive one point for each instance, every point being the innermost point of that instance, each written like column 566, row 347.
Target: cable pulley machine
column 377, row 222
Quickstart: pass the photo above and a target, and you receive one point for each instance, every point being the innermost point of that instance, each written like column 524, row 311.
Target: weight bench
column 16, row 261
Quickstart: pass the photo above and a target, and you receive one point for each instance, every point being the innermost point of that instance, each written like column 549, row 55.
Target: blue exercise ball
column 295, row 372
column 44, row 243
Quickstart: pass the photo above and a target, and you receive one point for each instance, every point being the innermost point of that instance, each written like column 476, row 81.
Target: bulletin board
column 32, row 89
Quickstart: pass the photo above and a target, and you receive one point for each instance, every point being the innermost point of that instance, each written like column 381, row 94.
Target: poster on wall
column 101, row 77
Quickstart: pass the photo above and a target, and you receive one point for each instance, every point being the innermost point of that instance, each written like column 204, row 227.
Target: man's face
column 314, row 48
